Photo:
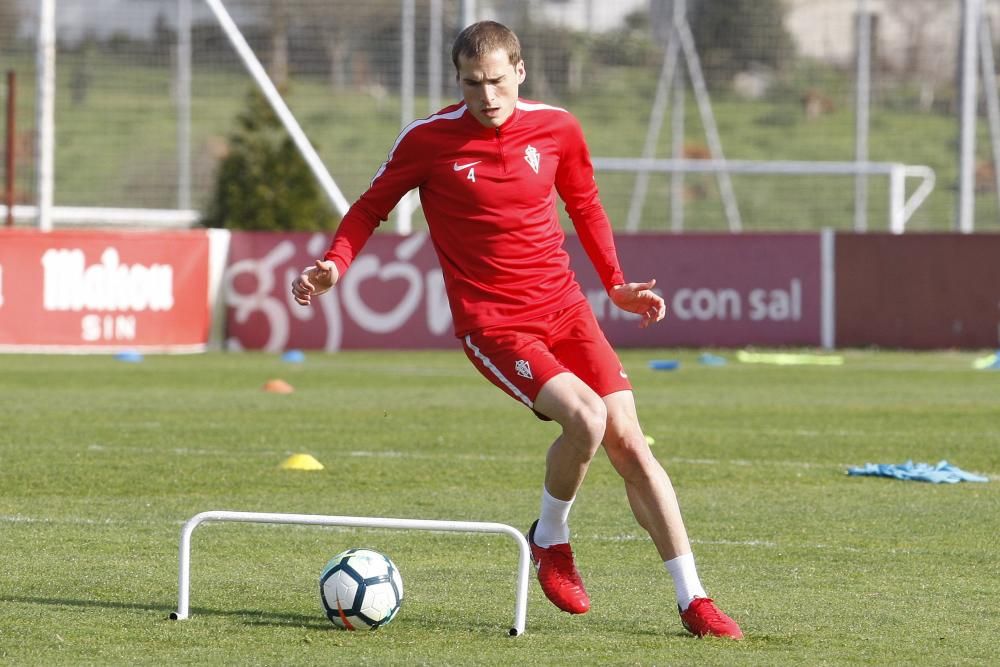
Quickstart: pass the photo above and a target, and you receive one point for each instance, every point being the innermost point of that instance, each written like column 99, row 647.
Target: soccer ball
column 360, row 588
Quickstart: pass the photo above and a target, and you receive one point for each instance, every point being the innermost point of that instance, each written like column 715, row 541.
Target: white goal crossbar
column 521, row 604
column 160, row 218
column 900, row 207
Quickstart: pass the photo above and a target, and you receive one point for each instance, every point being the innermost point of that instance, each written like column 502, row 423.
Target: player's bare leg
column 583, row 416
column 654, row 504
column 649, row 491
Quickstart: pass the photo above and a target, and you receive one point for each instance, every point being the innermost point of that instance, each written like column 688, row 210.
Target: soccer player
column 488, row 169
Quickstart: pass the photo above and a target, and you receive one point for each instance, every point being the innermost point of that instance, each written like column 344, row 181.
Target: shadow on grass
column 252, row 616
column 258, row 617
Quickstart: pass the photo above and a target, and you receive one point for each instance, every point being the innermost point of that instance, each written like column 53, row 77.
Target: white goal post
column 184, row 568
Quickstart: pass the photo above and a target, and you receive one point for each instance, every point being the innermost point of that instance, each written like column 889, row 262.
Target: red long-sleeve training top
column 488, row 195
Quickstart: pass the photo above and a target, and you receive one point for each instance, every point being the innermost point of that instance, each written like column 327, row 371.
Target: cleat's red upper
column 558, row 576
column 703, row 618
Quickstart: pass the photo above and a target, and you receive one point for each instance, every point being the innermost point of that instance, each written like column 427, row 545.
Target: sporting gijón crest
column 533, row 158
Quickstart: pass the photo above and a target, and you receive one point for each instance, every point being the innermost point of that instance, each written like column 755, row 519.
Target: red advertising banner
column 78, row 290
column 720, row 289
column 918, row 291
column 392, row 296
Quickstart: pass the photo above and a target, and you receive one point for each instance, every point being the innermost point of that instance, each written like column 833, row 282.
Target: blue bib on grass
column 942, row 473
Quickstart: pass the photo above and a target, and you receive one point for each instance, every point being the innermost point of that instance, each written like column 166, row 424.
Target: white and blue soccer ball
column 361, row 589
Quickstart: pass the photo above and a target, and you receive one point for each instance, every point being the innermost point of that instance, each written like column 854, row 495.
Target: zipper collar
column 494, row 131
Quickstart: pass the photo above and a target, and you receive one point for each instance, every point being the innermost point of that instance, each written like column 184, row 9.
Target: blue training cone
column 707, row 359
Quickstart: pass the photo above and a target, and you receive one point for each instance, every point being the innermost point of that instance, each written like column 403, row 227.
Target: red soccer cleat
column 558, row 576
column 703, row 618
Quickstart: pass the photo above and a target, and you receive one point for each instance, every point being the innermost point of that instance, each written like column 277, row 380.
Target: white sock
column 686, row 581
column 553, row 526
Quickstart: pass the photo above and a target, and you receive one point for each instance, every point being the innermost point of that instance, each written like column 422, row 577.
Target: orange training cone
column 278, row 386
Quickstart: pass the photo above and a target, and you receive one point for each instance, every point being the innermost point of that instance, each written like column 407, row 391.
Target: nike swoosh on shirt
column 460, row 167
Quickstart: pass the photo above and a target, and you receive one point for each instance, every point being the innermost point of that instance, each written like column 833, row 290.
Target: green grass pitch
column 102, row 461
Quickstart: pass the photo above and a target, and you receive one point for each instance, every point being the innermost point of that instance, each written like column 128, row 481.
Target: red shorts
column 520, row 358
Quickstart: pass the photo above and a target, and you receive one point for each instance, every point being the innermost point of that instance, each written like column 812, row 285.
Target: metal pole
column 183, row 92
column 677, row 138
column 990, row 93
column 862, row 88
column 469, row 12
column 184, row 569
column 828, row 288
column 406, row 85
column 10, row 159
column 708, row 122
column 45, row 111
column 966, row 205
column 660, row 102
column 435, row 55
column 897, row 199
column 404, row 210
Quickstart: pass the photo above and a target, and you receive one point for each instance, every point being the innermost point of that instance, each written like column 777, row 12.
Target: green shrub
column 264, row 183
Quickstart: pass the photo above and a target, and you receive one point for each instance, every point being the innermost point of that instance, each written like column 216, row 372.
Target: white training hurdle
column 184, row 578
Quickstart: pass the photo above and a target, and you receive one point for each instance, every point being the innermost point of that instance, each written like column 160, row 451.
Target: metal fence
column 147, row 95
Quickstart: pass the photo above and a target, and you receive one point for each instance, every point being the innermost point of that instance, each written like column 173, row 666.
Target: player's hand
column 639, row 298
column 314, row 281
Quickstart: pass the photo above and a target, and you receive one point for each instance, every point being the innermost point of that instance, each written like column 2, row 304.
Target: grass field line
column 184, row 451
column 632, row 537
column 69, row 521
column 450, row 456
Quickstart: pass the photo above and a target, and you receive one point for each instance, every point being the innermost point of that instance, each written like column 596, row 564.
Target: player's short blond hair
column 483, row 38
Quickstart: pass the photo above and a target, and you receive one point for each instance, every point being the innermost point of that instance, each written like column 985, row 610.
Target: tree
column 349, row 32
column 10, row 17
column 920, row 20
column 263, row 183
column 732, row 35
